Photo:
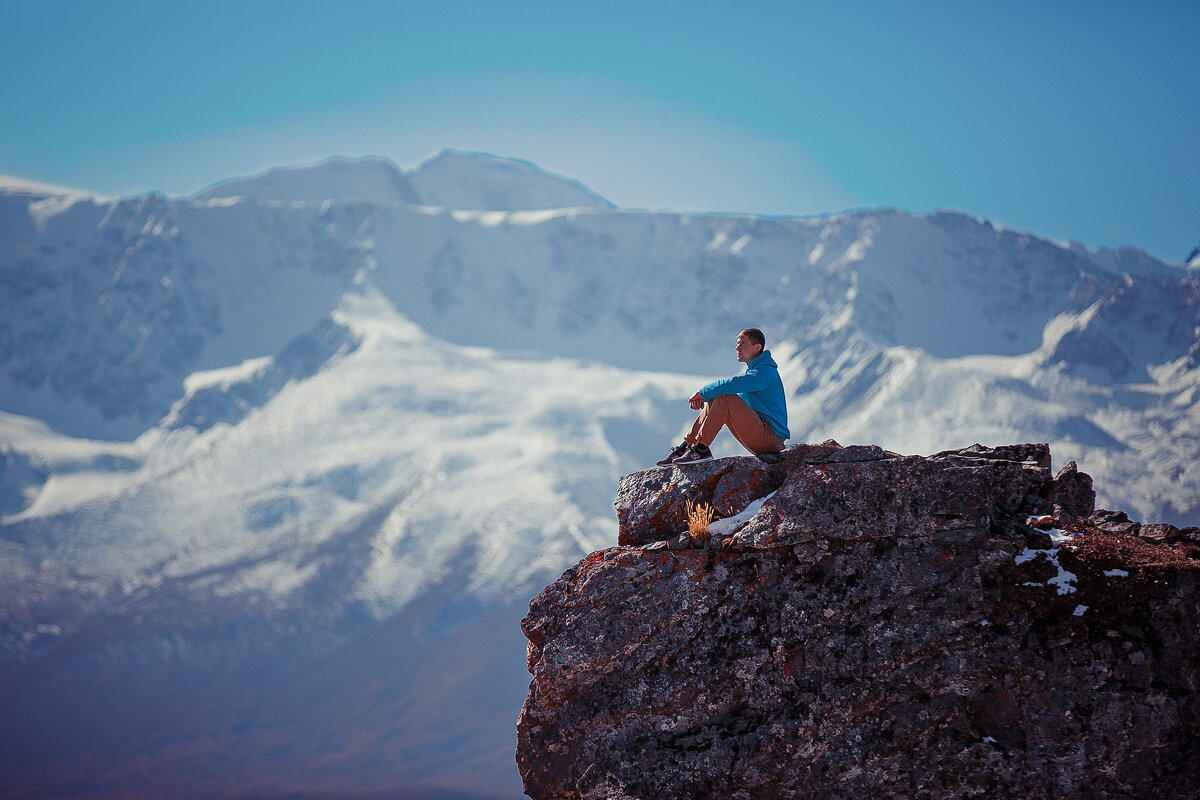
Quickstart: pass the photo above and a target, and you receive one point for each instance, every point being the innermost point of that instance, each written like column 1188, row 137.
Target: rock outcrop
column 959, row 625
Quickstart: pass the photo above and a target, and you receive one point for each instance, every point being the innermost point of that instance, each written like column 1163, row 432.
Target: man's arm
column 750, row 381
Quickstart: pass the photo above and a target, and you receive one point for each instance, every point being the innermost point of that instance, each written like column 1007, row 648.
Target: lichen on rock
column 872, row 631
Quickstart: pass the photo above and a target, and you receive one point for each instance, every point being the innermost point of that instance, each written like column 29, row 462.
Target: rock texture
column 884, row 627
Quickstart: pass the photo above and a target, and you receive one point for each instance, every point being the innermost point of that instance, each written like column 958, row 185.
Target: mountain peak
column 335, row 179
column 466, row 180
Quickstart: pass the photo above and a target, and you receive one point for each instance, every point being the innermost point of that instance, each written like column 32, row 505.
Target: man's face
column 747, row 350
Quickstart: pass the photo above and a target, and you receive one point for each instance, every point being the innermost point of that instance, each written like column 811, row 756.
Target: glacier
column 293, row 453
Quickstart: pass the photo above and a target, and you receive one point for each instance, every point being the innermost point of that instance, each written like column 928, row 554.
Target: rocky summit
column 958, row 625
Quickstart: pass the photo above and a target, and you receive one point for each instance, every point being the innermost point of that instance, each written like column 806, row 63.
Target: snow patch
column 488, row 219
column 222, row 202
column 43, row 211
column 225, row 377
column 538, row 217
column 13, row 185
column 727, row 525
column 719, row 239
column 1064, row 581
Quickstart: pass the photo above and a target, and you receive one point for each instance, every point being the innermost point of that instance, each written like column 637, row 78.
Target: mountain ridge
column 454, row 179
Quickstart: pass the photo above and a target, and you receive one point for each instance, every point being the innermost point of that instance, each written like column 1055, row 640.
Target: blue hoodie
column 762, row 390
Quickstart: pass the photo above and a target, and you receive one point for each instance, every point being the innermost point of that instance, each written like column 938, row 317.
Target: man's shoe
column 675, row 453
column 694, row 455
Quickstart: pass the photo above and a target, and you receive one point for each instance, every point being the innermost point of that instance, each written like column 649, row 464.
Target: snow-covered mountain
column 282, row 463
column 453, row 179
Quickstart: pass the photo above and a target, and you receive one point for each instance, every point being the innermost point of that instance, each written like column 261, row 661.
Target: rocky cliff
column 958, row 625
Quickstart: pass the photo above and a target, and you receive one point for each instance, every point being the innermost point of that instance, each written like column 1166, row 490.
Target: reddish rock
column 897, row 497
column 651, row 505
column 1074, row 497
column 888, row 628
column 1113, row 522
column 1159, row 532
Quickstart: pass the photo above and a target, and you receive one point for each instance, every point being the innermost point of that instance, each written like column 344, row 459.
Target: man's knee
column 725, row 401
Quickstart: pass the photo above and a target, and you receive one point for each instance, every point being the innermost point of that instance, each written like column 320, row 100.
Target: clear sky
column 1073, row 120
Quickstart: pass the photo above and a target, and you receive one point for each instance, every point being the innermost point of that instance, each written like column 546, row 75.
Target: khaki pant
column 743, row 422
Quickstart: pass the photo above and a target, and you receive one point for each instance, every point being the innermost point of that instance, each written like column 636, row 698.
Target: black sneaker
column 675, row 453
column 694, row 455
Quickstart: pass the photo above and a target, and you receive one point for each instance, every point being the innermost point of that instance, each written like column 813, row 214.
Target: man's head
column 750, row 344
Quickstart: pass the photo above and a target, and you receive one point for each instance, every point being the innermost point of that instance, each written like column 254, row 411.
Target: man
column 752, row 405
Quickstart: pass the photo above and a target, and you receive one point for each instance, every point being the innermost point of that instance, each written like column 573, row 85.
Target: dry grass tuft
column 698, row 518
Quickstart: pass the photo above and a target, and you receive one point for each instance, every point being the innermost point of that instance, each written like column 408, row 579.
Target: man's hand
column 696, row 402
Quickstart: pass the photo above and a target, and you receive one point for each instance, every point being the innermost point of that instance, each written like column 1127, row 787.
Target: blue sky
column 1073, row 120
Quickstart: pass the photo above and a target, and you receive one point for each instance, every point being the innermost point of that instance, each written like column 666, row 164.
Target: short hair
column 756, row 336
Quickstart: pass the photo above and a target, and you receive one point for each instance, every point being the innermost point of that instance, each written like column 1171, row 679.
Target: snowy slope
column 408, row 494
column 310, row 440
column 394, row 420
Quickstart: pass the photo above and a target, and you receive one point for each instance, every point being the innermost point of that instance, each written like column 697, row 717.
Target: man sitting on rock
column 752, row 405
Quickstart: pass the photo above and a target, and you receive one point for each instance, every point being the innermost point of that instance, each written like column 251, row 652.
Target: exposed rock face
column 884, row 627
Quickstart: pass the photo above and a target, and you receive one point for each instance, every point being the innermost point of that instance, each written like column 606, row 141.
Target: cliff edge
column 962, row 624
